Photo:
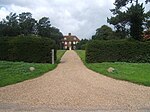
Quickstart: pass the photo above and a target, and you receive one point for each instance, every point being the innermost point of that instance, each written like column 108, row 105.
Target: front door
column 70, row 48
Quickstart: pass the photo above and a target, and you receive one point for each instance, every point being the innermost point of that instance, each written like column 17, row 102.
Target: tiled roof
column 71, row 38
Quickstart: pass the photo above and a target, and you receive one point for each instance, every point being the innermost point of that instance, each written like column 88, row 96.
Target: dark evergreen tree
column 27, row 23
column 9, row 26
column 133, row 18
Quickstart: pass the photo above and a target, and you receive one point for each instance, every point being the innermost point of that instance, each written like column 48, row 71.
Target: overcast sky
column 79, row 17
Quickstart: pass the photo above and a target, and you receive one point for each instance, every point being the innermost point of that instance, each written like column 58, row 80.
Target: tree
column 46, row 30
column 82, row 44
column 24, row 24
column 133, row 17
column 56, row 35
column 136, row 18
column 9, row 26
column 103, row 33
column 2, row 27
column 121, row 3
column 120, row 22
column 27, row 23
column 147, row 21
column 44, row 27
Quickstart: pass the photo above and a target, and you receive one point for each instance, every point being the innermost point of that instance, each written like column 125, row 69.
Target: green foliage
column 26, row 48
column 132, row 72
column 103, row 33
column 136, row 18
column 120, row 22
column 44, row 27
column 45, row 30
column 56, row 35
column 82, row 44
column 117, row 51
column 4, row 47
column 25, row 24
column 147, row 1
column 122, row 3
column 9, row 26
column 133, row 18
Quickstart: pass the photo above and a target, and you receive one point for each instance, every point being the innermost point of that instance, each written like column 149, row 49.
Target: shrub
column 117, row 51
column 4, row 46
column 83, row 47
column 27, row 49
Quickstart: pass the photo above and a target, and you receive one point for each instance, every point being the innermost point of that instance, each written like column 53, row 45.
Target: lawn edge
column 126, row 80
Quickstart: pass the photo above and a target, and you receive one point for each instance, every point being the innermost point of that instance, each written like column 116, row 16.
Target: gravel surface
column 71, row 87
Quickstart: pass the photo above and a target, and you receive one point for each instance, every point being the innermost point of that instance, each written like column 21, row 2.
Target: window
column 75, row 38
column 65, row 43
column 65, row 47
column 70, row 43
column 65, row 38
column 74, row 42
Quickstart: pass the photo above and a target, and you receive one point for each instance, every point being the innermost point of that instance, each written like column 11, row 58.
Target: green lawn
column 60, row 53
column 14, row 72
column 134, row 72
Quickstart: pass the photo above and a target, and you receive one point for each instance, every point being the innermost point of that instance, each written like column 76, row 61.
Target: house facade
column 70, row 41
column 147, row 35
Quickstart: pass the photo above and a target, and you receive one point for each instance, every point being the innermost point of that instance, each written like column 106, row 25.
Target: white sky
column 79, row 17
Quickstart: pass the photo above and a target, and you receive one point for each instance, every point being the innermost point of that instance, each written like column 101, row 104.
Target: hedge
column 27, row 49
column 117, row 51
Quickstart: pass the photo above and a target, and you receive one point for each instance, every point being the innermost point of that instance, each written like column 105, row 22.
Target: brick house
column 147, row 35
column 69, row 42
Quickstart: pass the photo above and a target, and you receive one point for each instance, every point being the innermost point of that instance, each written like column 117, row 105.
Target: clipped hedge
column 117, row 51
column 27, row 49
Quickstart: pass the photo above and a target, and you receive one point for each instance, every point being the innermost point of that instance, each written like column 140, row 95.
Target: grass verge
column 60, row 53
column 14, row 72
column 138, row 73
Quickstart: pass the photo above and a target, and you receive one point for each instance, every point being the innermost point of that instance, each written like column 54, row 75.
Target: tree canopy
column 103, row 33
column 121, row 3
column 82, row 44
column 25, row 24
column 133, row 20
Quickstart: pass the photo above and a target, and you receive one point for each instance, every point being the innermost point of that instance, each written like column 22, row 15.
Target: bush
column 83, row 47
column 117, row 51
column 27, row 49
column 4, row 46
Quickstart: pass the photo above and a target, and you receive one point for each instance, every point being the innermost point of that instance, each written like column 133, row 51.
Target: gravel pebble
column 72, row 87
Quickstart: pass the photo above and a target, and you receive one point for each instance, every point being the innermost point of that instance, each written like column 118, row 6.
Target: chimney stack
column 69, row 34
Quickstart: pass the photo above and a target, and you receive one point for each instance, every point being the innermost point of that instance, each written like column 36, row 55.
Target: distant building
column 147, row 35
column 69, row 42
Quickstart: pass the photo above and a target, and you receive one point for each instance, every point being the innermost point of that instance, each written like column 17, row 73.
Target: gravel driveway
column 71, row 87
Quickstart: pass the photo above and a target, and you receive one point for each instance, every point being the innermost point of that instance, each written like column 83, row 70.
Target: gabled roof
column 70, row 37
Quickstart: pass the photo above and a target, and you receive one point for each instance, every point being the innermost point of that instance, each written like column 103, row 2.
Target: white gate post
column 52, row 56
